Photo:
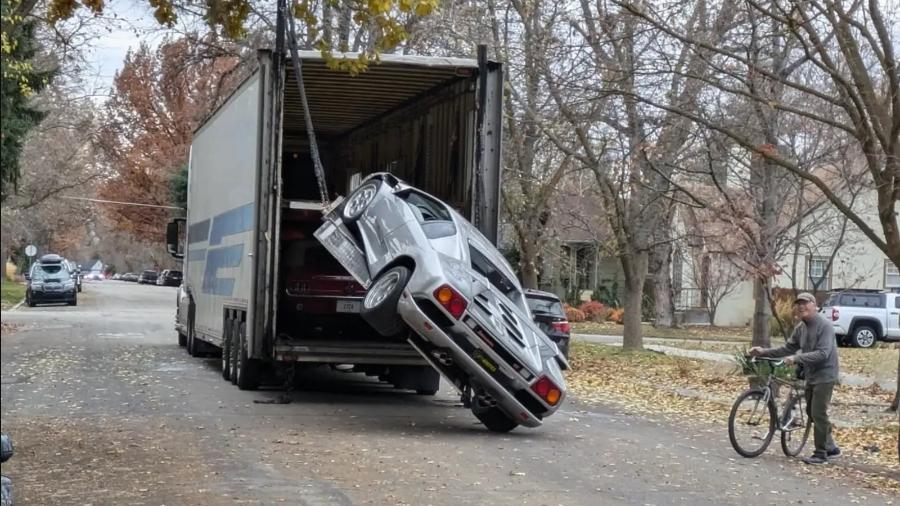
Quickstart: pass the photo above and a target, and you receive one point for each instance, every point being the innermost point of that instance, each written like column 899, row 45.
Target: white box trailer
column 253, row 202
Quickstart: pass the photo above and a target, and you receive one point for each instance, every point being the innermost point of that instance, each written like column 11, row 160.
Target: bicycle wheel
column 751, row 424
column 795, row 425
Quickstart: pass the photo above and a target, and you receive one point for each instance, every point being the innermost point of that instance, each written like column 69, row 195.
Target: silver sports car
column 428, row 270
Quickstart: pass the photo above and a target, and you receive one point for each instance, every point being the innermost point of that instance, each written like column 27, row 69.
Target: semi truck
column 258, row 287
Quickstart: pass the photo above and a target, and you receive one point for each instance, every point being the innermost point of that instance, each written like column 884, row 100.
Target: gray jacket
column 817, row 347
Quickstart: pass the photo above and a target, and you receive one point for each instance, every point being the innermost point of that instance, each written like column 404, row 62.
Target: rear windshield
column 539, row 305
column 861, row 300
column 149, row 273
column 49, row 272
column 175, row 273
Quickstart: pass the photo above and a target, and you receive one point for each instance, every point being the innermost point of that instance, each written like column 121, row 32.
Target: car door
column 893, row 316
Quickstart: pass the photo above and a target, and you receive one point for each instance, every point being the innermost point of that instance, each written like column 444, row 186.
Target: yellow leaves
column 61, row 9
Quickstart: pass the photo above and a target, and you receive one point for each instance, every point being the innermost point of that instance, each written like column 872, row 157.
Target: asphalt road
column 105, row 408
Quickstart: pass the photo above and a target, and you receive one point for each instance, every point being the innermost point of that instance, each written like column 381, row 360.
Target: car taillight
column 547, row 390
column 835, row 314
column 562, row 326
column 451, row 300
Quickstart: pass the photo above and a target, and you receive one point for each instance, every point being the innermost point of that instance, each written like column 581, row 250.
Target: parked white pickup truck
column 863, row 317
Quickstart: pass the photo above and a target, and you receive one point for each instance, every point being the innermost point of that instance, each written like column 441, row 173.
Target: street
column 104, row 407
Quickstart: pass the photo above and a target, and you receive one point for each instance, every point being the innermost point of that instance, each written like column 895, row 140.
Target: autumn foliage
column 158, row 99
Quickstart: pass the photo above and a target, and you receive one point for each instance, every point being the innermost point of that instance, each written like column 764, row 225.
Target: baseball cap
column 805, row 297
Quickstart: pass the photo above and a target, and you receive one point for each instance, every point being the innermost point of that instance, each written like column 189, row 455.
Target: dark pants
column 818, row 397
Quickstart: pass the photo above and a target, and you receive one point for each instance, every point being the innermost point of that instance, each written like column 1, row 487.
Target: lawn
column 11, row 293
column 738, row 334
column 879, row 362
column 685, row 390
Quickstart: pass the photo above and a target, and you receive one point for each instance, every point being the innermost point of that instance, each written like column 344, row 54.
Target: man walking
column 812, row 345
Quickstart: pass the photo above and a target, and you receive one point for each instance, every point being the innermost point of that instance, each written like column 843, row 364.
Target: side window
column 426, row 209
column 897, row 302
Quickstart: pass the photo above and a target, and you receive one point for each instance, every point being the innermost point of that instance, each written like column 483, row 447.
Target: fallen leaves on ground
column 6, row 328
column 684, row 389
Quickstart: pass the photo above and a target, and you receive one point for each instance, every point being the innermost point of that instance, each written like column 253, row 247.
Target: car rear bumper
column 501, row 385
column 38, row 297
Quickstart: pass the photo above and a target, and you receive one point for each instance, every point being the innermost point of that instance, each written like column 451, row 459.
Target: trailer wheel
column 232, row 352
column 247, row 371
column 358, row 201
column 192, row 346
column 182, row 339
column 226, row 350
column 379, row 307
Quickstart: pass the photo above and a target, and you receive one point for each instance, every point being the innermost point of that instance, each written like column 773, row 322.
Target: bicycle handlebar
column 774, row 361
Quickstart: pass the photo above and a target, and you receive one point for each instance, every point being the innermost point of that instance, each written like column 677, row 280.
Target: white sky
column 126, row 24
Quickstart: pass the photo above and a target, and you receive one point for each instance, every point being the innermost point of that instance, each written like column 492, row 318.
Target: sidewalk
column 656, row 344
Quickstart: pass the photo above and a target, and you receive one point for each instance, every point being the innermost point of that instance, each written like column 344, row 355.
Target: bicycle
column 755, row 412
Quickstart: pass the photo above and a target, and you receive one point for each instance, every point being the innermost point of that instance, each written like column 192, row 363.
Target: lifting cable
column 313, row 145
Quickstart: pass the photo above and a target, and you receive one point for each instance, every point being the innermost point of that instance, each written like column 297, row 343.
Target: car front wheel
column 864, row 337
column 379, row 307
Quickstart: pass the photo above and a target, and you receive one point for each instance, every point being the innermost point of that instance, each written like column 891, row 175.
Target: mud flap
column 338, row 240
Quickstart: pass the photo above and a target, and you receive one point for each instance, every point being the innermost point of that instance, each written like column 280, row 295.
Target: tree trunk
column 635, row 267
column 528, row 261
column 896, row 402
column 659, row 272
column 761, row 312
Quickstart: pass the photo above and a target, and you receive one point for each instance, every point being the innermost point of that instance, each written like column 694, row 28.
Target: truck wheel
column 358, row 201
column 864, row 336
column 30, row 302
column 226, row 351
column 429, row 381
column 73, row 302
column 247, row 372
column 182, row 339
column 379, row 307
column 232, row 353
column 192, row 346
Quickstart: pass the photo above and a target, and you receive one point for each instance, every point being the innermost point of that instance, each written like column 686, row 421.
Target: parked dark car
column 169, row 278
column 148, row 277
column 50, row 281
column 75, row 272
column 547, row 311
column 130, row 277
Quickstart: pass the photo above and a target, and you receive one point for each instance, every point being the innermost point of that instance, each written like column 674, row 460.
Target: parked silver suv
column 863, row 317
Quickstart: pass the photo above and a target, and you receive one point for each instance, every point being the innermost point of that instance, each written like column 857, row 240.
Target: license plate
column 348, row 306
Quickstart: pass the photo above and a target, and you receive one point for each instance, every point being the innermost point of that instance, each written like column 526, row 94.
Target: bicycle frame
column 784, row 418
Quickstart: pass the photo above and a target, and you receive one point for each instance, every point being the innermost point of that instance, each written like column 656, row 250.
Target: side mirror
column 174, row 242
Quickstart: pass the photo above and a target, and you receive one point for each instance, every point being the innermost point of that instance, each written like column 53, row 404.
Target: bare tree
column 630, row 150
column 842, row 76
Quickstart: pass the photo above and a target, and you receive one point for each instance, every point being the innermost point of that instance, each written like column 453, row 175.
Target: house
column 825, row 251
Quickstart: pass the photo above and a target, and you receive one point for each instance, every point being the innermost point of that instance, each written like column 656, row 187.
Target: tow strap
column 307, row 117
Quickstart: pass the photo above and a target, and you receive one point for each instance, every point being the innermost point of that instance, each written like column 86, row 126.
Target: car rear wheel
column 379, row 307
column 492, row 416
column 358, row 201
column 864, row 337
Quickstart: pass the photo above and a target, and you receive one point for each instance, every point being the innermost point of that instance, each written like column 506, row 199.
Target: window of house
column 891, row 275
column 818, row 278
